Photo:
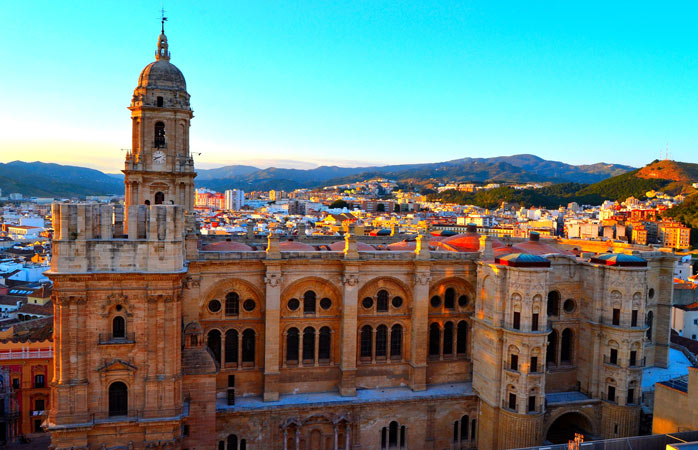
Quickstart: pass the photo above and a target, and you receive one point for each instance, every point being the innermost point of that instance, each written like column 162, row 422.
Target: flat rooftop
column 395, row 394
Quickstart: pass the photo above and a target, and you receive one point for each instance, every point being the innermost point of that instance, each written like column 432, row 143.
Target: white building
column 684, row 319
column 683, row 268
column 234, row 199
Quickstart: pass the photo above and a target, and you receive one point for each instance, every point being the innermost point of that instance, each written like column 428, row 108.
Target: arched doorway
column 562, row 430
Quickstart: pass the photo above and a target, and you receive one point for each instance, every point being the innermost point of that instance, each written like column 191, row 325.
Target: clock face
column 159, row 157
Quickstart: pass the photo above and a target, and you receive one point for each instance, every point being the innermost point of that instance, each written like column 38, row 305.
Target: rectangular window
column 633, row 318
column 15, row 383
column 614, row 356
column 39, row 405
column 534, row 364
column 38, row 381
column 514, row 362
column 517, row 320
column 532, row 403
column 534, row 322
column 611, row 394
column 633, row 358
column 512, row 400
column 231, row 381
column 616, row 316
column 631, row 396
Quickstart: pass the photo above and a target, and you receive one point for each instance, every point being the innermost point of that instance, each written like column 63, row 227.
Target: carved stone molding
column 350, row 280
column 422, row 279
column 273, row 280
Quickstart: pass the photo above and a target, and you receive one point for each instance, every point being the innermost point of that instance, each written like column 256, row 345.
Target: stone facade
column 160, row 344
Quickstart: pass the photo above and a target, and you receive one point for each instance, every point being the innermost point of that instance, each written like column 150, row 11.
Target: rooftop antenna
column 163, row 19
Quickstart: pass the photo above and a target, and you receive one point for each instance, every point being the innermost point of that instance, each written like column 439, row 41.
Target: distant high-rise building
column 234, row 199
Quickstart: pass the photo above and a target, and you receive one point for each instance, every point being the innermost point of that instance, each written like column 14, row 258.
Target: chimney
column 273, row 251
column 422, row 249
column 486, row 252
column 351, row 248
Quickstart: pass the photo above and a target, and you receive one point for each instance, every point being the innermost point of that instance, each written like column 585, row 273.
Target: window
column 309, row 302
column 566, row 345
column 397, row 302
column 396, row 342
column 118, row 399
column 118, row 327
column 463, row 301
column 249, row 305
column 325, row 303
column 232, row 442
column 633, row 318
column 462, row 338
column 448, row 338
column 450, row 299
column 382, row 301
column 160, row 102
column 159, row 141
column 616, row 316
column 292, row 345
column 232, row 304
column 15, row 383
column 231, row 346
column 367, row 302
column 39, row 381
column 534, row 364
column 392, row 434
column 39, row 405
column 650, row 319
column 534, row 322
column 214, row 306
column 569, row 305
column 366, row 342
column 293, row 304
column 248, row 346
column 551, row 351
column 611, row 393
column 435, row 301
column 381, row 341
column 614, row 356
column 464, row 428
column 517, row 320
column 434, row 336
column 214, row 343
column 512, row 400
column 553, row 303
column 514, row 362
column 324, row 344
column 309, row 344
column 473, row 429
column 631, row 396
column 633, row 358
column 532, row 403
column 159, row 198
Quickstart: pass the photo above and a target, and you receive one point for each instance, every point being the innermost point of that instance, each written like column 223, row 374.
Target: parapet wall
column 92, row 237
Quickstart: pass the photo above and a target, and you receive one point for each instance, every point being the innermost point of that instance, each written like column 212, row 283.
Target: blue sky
column 303, row 83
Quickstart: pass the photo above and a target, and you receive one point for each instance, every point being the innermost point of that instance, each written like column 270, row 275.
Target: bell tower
column 159, row 168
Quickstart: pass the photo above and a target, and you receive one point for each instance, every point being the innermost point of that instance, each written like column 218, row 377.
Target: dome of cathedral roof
column 161, row 73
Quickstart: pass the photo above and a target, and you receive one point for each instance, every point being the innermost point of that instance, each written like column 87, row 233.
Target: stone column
column 419, row 332
column 272, row 333
column 350, row 292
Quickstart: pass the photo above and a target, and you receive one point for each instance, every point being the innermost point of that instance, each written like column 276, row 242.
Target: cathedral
column 167, row 339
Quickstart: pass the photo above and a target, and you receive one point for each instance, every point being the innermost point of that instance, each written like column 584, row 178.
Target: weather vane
column 163, row 19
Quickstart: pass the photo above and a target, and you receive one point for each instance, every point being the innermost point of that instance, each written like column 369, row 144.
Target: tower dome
column 162, row 74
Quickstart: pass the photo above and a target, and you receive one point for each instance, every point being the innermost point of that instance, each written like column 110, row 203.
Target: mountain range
column 55, row 180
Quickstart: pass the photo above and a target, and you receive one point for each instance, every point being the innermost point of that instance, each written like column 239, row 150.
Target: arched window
column 232, row 304
column 464, row 428
column 366, row 341
column 231, row 346
column 566, row 346
column 551, row 351
column 553, row 303
column 450, row 298
column 221, row 445
column 382, row 301
column 649, row 323
column 118, row 399
column 214, row 343
column 309, row 344
column 396, row 342
column 309, row 303
column 160, row 101
column 324, row 343
column 434, row 336
column 248, row 346
column 292, row 345
column 381, row 341
column 159, row 141
column 448, row 338
column 462, row 338
column 118, row 327
column 393, row 434
column 232, row 442
column 159, row 198
column 243, row 444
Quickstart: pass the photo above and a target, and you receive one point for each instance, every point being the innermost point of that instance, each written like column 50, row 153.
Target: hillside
column 38, row 179
column 516, row 168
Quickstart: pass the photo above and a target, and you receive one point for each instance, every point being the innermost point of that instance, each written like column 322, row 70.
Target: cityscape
column 487, row 300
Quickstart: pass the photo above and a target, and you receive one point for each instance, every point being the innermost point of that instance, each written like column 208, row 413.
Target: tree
column 339, row 204
column 380, row 207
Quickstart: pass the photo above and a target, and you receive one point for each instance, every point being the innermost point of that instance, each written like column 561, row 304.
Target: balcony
column 607, row 360
column 132, row 415
column 26, row 354
column 109, row 339
column 638, row 364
